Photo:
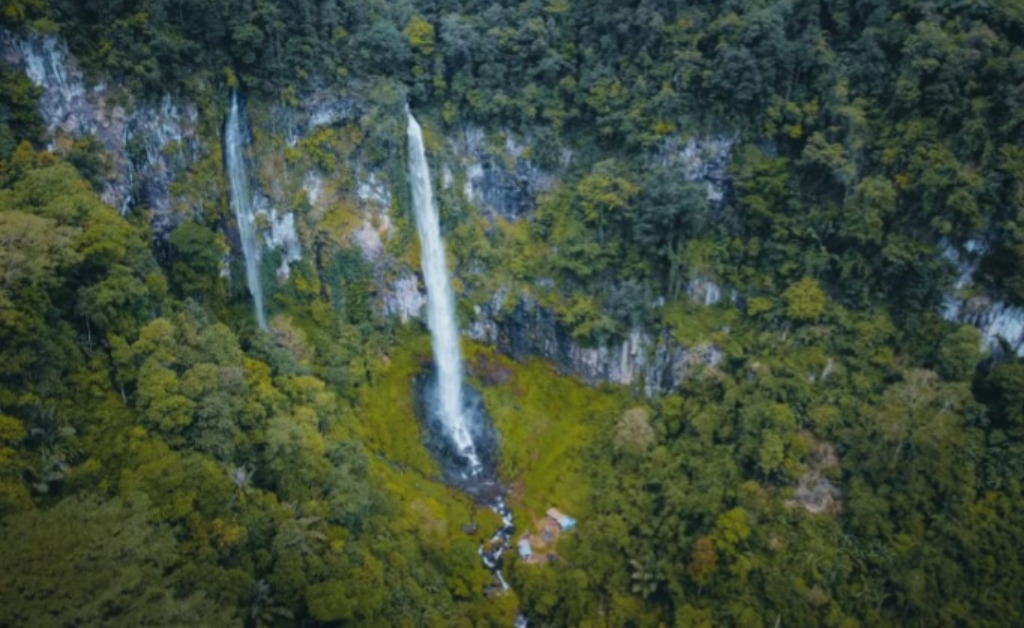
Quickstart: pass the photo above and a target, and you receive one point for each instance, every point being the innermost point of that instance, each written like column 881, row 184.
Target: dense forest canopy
column 852, row 457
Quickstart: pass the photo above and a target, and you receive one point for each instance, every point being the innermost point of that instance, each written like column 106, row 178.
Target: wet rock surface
column 480, row 482
column 653, row 362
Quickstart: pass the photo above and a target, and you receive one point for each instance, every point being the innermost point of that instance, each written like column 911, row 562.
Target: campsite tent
column 525, row 549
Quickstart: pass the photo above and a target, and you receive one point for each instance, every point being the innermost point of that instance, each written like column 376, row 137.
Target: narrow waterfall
column 450, row 405
column 444, row 328
column 241, row 200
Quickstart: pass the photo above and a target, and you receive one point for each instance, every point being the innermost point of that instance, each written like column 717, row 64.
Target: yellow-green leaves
column 420, row 34
column 805, row 300
column 634, row 433
column 731, row 529
column 558, row 7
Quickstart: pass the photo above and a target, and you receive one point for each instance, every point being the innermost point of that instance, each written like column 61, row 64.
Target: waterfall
column 444, row 333
column 241, row 200
column 444, row 329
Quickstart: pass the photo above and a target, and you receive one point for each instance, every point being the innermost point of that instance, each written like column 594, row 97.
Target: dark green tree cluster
column 814, row 481
column 156, row 468
column 272, row 46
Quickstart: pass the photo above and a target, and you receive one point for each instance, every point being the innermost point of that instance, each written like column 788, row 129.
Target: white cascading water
column 996, row 319
column 444, row 328
column 241, row 201
column 444, row 333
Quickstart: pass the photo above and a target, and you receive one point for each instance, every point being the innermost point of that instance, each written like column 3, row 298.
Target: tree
column 198, row 255
column 959, row 353
column 703, row 561
column 772, row 453
column 381, row 48
column 604, row 197
column 805, row 300
column 33, row 252
column 670, row 212
column 920, row 414
column 358, row 595
column 20, row 119
column 420, row 34
column 16, row 11
column 263, row 610
column 634, row 433
column 14, row 494
column 1003, row 390
column 730, row 530
column 87, row 561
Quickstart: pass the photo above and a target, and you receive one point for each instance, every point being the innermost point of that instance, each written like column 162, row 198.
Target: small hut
column 564, row 521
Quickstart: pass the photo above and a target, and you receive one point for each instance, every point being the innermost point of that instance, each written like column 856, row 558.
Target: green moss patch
column 387, row 406
column 547, row 425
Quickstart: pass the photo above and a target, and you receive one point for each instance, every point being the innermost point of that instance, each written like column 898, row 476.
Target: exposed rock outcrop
column 701, row 160
column 704, row 291
column 280, row 235
column 655, row 363
column 403, row 298
column 815, row 492
column 998, row 321
column 148, row 142
column 499, row 181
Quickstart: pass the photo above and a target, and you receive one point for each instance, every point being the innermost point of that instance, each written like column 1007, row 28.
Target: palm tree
column 242, row 477
column 645, row 577
column 57, row 447
column 298, row 533
column 263, row 609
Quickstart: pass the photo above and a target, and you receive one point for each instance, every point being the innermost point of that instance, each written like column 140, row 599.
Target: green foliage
column 264, row 501
column 198, row 254
column 546, row 425
column 420, row 34
column 93, row 561
column 359, row 596
column 805, row 300
column 390, row 423
column 959, row 353
column 286, row 471
column 633, row 432
column 19, row 109
column 1002, row 386
column 15, row 12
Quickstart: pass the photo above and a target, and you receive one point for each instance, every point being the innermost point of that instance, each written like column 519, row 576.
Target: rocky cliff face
column 504, row 183
column 997, row 321
column 701, row 160
column 499, row 180
column 151, row 144
column 653, row 364
column 148, row 142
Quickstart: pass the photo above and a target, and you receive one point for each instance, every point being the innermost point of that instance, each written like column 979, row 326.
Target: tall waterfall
column 241, row 200
column 444, row 330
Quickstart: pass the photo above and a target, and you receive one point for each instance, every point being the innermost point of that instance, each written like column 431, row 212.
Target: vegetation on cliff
column 852, row 459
